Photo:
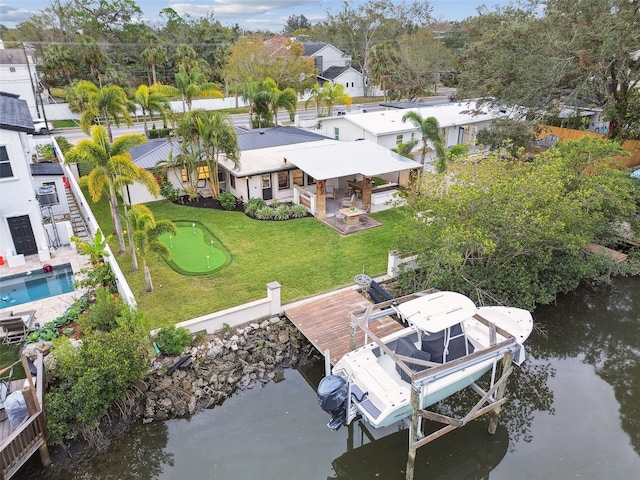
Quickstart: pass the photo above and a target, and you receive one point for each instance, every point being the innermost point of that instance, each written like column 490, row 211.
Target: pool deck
column 47, row 309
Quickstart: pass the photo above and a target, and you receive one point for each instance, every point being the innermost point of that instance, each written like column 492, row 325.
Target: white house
column 18, row 76
column 21, row 229
column 334, row 66
column 271, row 168
column 460, row 123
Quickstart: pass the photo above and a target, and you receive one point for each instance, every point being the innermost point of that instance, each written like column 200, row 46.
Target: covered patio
column 350, row 176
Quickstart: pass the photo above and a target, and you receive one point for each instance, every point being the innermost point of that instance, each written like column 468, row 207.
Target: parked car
column 41, row 127
column 453, row 97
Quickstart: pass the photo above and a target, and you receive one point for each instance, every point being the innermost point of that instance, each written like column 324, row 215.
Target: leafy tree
column 430, row 132
column 146, row 230
column 358, row 29
column 91, row 55
column 516, row 57
column 513, row 135
column 516, row 230
column 296, row 24
column 110, row 161
column 192, row 84
column 382, row 64
column 57, row 60
column 152, row 100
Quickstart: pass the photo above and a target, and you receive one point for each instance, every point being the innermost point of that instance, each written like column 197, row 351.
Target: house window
column 413, row 136
column 12, row 69
column 232, row 181
column 298, row 177
column 311, row 180
column 399, row 139
column 203, row 172
column 183, row 173
column 5, row 164
column 283, row 180
column 336, row 133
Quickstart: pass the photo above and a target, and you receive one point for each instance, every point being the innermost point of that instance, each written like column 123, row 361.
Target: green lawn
column 305, row 256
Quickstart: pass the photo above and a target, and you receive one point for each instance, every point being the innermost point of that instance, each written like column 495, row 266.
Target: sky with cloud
column 251, row 14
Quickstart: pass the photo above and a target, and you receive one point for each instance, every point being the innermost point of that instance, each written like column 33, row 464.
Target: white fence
column 248, row 312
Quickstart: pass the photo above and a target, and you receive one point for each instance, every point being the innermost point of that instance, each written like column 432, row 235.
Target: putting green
column 194, row 250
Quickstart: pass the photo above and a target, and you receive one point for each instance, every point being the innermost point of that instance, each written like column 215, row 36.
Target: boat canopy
column 437, row 311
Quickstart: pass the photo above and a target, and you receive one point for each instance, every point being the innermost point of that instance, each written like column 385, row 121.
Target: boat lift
column 491, row 400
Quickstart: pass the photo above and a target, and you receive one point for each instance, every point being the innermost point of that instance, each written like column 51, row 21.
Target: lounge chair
column 331, row 192
column 16, row 327
column 348, row 201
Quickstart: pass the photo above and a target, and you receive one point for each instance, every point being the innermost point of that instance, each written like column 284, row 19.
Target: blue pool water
column 23, row 288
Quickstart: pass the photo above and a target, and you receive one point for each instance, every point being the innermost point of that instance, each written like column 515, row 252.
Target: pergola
column 346, row 159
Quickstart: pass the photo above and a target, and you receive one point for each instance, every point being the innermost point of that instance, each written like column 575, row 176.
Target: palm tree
column 269, row 99
column 315, row 98
column 152, row 100
column 146, row 230
column 383, row 63
column 333, row 94
column 430, row 131
column 152, row 56
column 247, row 91
column 58, row 60
column 111, row 161
column 193, row 83
column 96, row 249
column 109, row 104
column 405, row 149
column 215, row 133
column 91, row 54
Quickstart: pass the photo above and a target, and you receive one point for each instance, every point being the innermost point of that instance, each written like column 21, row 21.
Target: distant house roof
column 312, row 47
column 448, row 115
column 46, row 168
column 148, row 155
column 15, row 114
column 12, row 56
column 332, row 73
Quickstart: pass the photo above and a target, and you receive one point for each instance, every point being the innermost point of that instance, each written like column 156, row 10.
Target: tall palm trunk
column 147, row 277
column 115, row 215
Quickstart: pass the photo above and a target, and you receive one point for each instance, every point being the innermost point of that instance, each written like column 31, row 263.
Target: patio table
column 351, row 217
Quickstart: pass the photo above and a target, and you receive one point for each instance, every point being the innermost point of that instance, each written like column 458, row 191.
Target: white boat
column 447, row 345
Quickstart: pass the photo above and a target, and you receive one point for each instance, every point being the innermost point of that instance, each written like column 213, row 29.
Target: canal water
column 574, row 412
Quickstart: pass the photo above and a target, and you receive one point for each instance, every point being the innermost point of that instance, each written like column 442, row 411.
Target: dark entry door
column 267, row 193
column 22, row 234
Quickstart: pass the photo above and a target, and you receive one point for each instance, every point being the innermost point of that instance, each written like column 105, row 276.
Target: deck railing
column 30, row 435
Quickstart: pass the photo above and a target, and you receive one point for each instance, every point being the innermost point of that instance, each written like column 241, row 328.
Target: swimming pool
column 23, row 288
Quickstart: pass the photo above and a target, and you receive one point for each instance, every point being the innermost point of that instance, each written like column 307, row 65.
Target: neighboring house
column 288, row 164
column 334, row 66
column 460, row 123
column 21, row 230
column 18, row 76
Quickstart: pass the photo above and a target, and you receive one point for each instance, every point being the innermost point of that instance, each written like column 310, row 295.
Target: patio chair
column 15, row 330
column 340, row 217
column 6, row 377
column 348, row 201
column 331, row 192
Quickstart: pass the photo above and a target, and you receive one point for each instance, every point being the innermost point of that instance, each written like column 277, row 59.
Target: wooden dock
column 325, row 321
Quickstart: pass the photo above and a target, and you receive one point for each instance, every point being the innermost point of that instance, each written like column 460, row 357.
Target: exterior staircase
column 78, row 224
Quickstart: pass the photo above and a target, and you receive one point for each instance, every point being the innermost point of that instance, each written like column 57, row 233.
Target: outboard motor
column 332, row 397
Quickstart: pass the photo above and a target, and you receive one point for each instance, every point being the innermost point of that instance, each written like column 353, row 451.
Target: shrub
column 103, row 314
column 281, row 212
column 227, row 200
column 64, row 144
column 253, row 205
column 91, row 378
column 298, row 211
column 264, row 213
column 172, row 340
column 168, row 191
column 159, row 133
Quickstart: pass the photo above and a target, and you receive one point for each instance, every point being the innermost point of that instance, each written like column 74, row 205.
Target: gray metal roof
column 46, row 168
column 15, row 114
column 12, row 56
column 332, row 73
column 148, row 155
column 274, row 137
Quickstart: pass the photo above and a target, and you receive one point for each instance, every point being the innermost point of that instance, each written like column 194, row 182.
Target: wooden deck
column 325, row 322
